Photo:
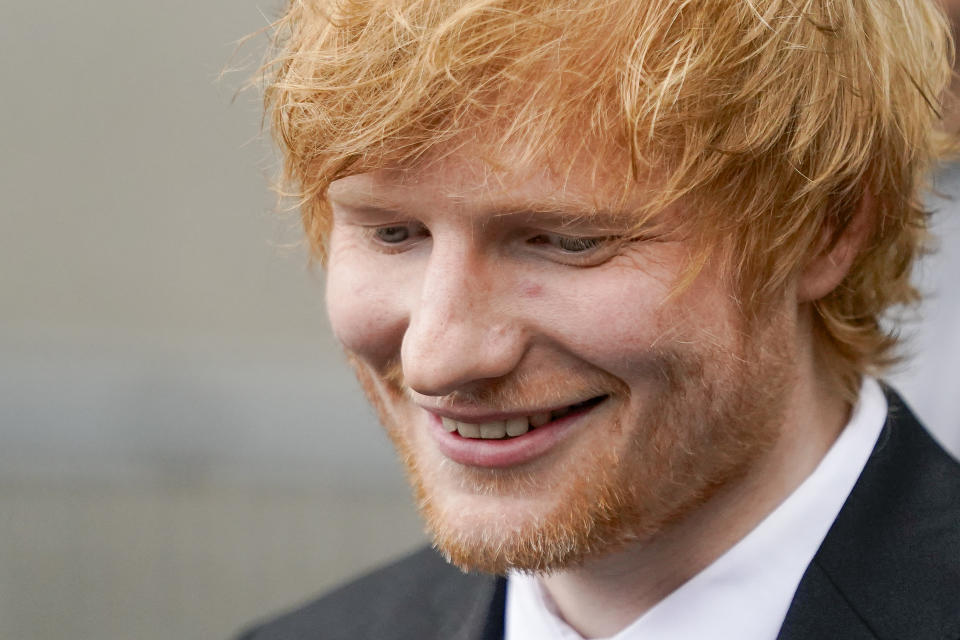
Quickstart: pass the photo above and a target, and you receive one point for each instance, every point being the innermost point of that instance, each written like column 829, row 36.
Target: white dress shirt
column 745, row 593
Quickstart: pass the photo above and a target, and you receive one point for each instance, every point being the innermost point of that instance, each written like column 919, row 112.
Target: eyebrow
column 561, row 211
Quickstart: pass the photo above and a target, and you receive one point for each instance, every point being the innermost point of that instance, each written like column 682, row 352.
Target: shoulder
column 419, row 596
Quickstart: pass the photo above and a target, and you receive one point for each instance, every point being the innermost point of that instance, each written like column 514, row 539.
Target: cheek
column 625, row 321
column 610, row 318
column 366, row 311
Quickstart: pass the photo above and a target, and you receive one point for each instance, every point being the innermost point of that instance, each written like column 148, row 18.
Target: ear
column 827, row 269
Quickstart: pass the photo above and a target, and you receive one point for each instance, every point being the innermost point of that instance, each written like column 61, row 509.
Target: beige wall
column 181, row 447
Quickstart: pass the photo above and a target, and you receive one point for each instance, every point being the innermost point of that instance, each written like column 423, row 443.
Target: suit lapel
column 474, row 611
column 488, row 622
column 819, row 610
column 889, row 567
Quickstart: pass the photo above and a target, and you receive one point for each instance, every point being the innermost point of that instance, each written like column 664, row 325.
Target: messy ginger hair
column 767, row 121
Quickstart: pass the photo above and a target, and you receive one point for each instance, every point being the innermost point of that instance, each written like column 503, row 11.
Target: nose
column 464, row 327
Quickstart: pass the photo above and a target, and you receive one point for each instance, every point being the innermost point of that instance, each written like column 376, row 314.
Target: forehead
column 471, row 178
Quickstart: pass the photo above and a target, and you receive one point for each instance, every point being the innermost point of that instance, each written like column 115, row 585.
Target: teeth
column 468, row 430
column 505, row 428
column 488, row 430
column 539, row 419
column 514, row 427
column 493, row 430
column 517, row 427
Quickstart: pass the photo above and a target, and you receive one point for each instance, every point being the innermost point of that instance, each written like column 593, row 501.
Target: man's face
column 549, row 393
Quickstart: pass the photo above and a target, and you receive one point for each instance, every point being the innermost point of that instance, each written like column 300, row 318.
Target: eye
column 578, row 245
column 397, row 236
column 392, row 235
column 571, row 244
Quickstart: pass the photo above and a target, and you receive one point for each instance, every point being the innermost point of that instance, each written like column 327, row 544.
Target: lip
column 500, row 454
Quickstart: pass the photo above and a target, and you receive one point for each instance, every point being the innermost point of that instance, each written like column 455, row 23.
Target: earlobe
column 827, row 269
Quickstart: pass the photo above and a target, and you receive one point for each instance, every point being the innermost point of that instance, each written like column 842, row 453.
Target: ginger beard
column 653, row 455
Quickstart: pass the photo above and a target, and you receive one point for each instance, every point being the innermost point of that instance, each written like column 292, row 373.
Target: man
column 611, row 273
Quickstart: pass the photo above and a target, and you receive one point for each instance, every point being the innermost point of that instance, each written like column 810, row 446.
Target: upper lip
column 481, row 415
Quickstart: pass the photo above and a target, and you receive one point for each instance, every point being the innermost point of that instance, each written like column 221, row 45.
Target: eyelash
column 571, row 244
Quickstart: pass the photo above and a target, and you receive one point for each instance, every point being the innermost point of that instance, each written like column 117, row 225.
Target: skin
column 457, row 289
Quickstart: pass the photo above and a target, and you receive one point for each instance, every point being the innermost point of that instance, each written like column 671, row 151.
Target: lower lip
column 510, row 452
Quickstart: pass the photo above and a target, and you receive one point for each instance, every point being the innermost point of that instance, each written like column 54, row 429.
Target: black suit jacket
column 888, row 569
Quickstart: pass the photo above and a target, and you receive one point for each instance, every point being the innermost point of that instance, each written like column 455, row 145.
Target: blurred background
column 182, row 449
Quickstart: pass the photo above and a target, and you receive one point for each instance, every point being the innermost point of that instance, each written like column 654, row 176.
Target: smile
column 514, row 427
column 508, row 439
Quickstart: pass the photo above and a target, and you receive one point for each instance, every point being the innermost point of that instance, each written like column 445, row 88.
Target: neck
column 605, row 594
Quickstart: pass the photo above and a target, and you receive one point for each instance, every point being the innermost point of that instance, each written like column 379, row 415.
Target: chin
column 546, row 529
